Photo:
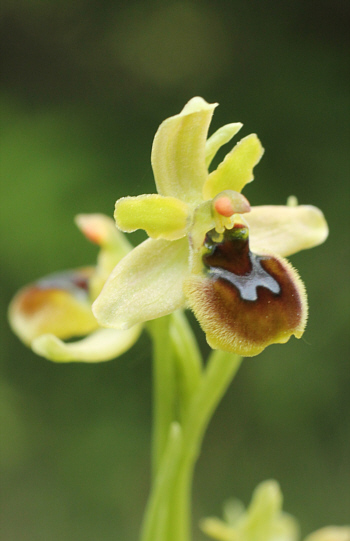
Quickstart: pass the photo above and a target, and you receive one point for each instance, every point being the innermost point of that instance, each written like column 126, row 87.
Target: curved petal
column 222, row 136
column 146, row 284
column 285, row 230
column 58, row 304
column 161, row 217
column 178, row 152
column 237, row 168
column 101, row 345
column 245, row 302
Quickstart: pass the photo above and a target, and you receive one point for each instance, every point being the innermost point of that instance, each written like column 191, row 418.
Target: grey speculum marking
column 247, row 284
column 73, row 281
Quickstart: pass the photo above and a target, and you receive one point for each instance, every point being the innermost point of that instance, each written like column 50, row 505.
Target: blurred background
column 85, row 85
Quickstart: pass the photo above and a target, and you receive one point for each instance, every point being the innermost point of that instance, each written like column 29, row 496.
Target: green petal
column 146, row 284
column 178, row 152
column 161, row 217
column 101, row 345
column 285, row 230
column 237, row 168
column 222, row 136
column 58, row 304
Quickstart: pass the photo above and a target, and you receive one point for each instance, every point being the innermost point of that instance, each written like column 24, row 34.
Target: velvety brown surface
column 256, row 296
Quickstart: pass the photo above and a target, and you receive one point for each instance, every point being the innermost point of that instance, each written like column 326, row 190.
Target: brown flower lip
column 34, row 297
column 232, row 261
column 249, row 300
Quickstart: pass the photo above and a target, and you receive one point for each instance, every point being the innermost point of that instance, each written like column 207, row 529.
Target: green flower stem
column 188, row 360
column 176, row 447
column 164, row 389
column 220, row 371
column 179, row 521
column 156, row 519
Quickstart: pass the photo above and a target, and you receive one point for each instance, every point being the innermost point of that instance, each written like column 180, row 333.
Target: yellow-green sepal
column 222, row 136
column 146, row 284
column 237, row 168
column 178, row 152
column 161, row 217
column 285, row 230
column 101, row 345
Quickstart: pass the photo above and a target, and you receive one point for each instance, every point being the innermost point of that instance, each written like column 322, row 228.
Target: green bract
column 209, row 250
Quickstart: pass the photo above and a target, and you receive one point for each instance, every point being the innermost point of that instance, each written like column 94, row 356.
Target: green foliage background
column 85, row 86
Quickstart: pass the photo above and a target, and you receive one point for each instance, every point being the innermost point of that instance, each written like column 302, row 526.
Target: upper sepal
column 243, row 301
column 178, row 152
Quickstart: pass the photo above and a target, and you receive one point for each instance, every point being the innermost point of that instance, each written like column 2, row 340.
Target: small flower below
column 264, row 520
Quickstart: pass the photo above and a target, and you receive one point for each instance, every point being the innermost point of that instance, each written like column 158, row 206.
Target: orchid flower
column 262, row 520
column 209, row 250
column 265, row 520
column 58, row 307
